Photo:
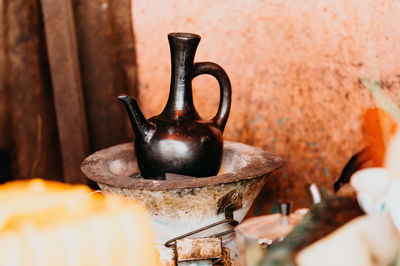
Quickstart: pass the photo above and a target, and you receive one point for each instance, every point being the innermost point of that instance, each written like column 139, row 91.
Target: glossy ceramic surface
column 178, row 140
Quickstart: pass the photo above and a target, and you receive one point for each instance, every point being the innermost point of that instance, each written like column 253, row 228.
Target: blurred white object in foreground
column 372, row 239
column 392, row 158
column 371, row 185
column 393, row 166
column 368, row 240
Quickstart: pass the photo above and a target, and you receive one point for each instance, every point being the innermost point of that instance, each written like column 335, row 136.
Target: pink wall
column 294, row 68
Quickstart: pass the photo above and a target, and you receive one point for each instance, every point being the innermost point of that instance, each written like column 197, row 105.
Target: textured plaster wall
column 294, row 67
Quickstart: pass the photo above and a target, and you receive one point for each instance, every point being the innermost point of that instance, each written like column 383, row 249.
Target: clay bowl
column 180, row 205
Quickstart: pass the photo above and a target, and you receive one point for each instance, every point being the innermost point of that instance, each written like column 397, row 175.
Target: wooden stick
column 67, row 90
column 108, row 67
column 34, row 144
column 4, row 108
column 5, row 169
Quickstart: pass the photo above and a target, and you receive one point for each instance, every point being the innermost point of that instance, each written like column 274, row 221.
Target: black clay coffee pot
column 178, row 140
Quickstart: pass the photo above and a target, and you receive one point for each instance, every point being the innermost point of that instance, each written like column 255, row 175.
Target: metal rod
column 224, row 233
column 169, row 242
column 228, row 219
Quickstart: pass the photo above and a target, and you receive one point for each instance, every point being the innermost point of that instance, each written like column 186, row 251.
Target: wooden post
column 67, row 90
column 108, row 67
column 4, row 99
column 5, row 170
column 34, row 143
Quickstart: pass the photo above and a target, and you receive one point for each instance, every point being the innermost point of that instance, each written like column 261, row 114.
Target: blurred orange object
column 50, row 223
column 378, row 127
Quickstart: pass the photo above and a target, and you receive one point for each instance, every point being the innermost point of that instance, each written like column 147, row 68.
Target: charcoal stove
column 181, row 205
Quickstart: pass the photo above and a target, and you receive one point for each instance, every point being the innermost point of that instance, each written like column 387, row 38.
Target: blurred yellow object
column 50, row 223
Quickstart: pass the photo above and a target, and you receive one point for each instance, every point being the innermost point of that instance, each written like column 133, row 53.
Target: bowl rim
column 95, row 167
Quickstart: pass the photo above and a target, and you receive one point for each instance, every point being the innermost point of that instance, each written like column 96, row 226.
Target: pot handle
column 219, row 73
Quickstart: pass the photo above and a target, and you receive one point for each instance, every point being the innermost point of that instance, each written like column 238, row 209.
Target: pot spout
column 142, row 128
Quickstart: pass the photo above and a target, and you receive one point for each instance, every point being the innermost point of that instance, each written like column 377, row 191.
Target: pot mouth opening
column 184, row 35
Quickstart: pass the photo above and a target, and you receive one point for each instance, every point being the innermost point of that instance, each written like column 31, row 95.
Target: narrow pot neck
column 183, row 49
